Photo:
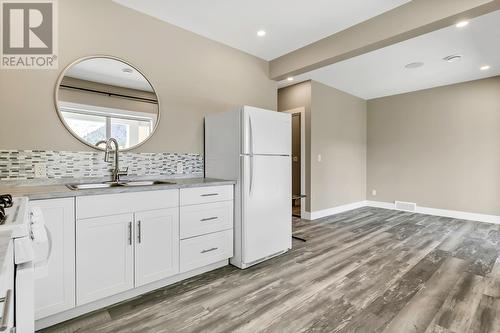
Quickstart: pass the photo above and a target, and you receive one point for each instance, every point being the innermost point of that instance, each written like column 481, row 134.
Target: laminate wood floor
column 367, row 270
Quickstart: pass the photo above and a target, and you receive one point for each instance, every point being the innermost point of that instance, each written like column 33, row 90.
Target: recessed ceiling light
column 453, row 58
column 290, row 78
column 485, row 67
column 414, row 65
column 127, row 70
column 462, row 24
column 261, row 33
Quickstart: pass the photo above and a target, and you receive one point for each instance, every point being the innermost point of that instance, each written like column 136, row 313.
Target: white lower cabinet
column 157, row 245
column 119, row 252
column 207, row 249
column 114, row 243
column 104, row 257
column 55, row 283
column 206, row 226
column 203, row 219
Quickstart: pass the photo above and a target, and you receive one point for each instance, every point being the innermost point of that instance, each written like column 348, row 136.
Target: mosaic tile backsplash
column 20, row 164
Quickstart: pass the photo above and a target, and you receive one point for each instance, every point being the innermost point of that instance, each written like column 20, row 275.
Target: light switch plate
column 374, row 192
column 40, row 170
column 320, row 158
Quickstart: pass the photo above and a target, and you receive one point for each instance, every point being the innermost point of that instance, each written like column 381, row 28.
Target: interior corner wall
column 438, row 147
column 338, row 134
column 335, row 129
column 293, row 97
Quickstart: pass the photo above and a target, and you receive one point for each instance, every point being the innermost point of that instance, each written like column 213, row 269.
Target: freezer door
column 267, row 215
column 266, row 132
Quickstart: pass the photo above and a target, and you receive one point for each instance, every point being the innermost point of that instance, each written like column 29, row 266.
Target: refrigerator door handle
column 251, row 175
column 250, row 135
column 250, row 130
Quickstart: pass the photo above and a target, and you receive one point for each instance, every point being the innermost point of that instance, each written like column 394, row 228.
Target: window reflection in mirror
column 101, row 97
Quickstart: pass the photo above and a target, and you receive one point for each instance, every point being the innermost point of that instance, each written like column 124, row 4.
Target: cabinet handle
column 210, row 250
column 209, row 194
column 130, row 233
column 209, row 219
column 139, row 233
column 6, row 308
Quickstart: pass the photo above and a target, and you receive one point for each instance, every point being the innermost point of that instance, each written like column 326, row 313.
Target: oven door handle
column 6, row 308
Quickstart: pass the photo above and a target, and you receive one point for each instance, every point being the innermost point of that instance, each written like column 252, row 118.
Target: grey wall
column 338, row 134
column 193, row 75
column 439, row 147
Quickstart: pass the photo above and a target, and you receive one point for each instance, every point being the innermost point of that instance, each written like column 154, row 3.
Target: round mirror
column 104, row 97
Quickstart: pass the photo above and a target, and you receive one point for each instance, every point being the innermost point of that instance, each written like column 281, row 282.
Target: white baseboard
column 388, row 205
column 443, row 212
column 335, row 210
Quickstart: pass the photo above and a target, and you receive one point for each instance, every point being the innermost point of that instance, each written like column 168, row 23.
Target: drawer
column 205, row 250
column 203, row 219
column 201, row 195
column 123, row 203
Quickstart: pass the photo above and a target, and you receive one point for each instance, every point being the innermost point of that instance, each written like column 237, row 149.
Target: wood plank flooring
column 367, row 270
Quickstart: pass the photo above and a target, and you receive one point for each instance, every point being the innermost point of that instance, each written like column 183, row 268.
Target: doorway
column 298, row 162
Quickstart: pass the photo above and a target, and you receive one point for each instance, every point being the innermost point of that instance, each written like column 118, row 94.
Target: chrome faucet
column 116, row 173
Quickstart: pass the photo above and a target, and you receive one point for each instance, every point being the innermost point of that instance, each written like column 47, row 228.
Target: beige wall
column 193, row 75
column 293, row 97
column 336, row 129
column 437, row 147
column 338, row 133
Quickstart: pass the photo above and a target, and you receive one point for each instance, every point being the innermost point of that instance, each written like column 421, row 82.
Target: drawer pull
column 209, row 219
column 6, row 307
column 209, row 194
column 210, row 250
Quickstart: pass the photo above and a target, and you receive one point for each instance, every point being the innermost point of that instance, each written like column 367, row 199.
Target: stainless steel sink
column 138, row 183
column 164, row 182
column 146, row 183
column 91, row 186
column 132, row 183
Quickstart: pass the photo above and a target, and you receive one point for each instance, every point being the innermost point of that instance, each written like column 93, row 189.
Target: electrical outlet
column 320, row 158
column 180, row 168
column 374, row 193
column 40, row 170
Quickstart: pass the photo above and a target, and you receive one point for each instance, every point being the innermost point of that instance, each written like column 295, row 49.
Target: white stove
column 30, row 244
column 15, row 217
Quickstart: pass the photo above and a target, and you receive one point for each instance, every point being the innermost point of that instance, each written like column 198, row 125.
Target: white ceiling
column 109, row 71
column 382, row 73
column 290, row 24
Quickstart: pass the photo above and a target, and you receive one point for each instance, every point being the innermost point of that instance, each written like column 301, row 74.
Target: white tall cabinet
column 55, row 284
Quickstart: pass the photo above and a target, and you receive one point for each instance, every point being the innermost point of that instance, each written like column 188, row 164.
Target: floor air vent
column 406, row 206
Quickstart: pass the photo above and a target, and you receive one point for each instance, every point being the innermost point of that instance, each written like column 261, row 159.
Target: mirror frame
column 70, row 130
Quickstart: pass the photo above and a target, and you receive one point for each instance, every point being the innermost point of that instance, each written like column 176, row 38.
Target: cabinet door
column 55, row 287
column 104, row 257
column 157, row 245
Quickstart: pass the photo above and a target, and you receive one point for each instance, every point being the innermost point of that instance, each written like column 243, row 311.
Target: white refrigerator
column 253, row 146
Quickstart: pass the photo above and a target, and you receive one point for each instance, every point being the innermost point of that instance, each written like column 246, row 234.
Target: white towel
column 41, row 242
column 38, row 231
